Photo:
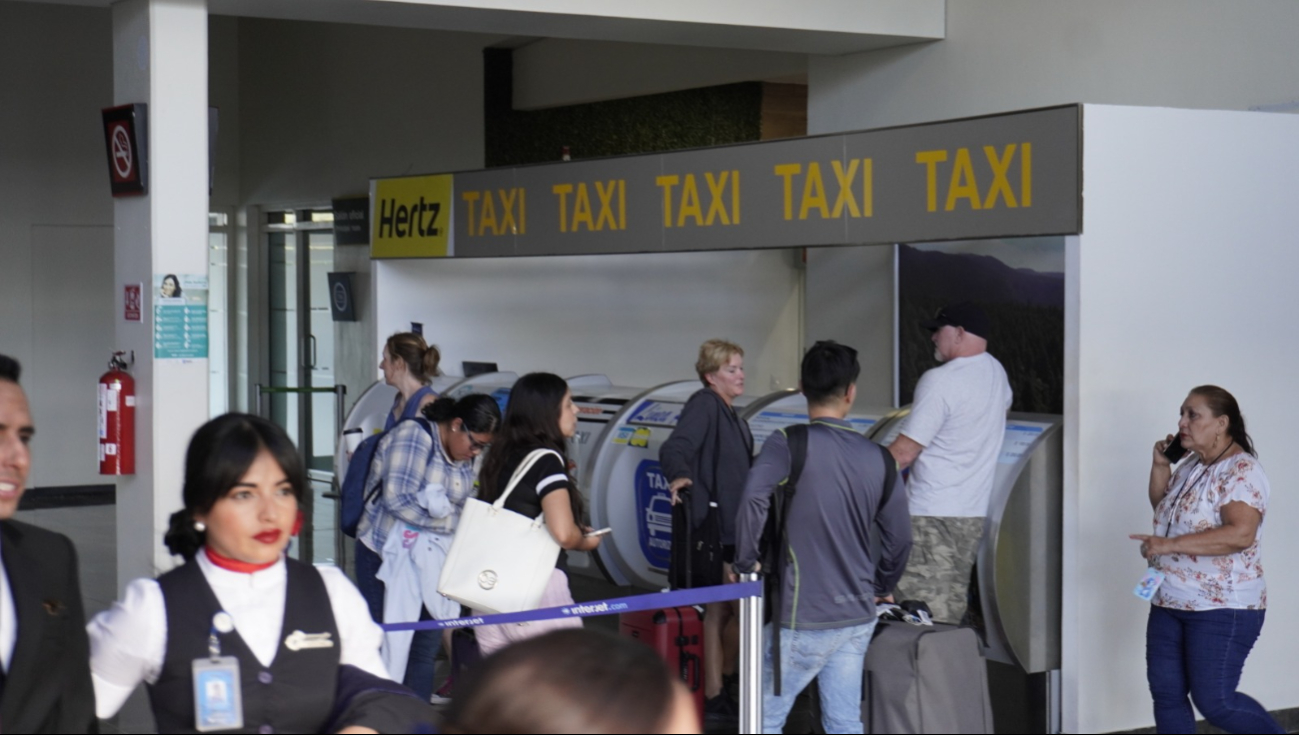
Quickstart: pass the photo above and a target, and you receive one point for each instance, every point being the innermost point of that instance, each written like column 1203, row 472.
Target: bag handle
column 522, row 470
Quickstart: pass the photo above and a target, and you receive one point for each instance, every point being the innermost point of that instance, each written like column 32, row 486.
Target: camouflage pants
column 938, row 573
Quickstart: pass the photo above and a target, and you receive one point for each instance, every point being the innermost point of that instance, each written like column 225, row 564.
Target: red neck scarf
column 234, row 565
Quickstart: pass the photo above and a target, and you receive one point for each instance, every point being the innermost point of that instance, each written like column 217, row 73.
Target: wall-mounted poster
column 180, row 316
column 1018, row 282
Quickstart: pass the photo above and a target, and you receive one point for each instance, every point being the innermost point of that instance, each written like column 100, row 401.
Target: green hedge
column 730, row 113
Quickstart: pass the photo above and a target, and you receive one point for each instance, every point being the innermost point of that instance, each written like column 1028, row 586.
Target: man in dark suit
column 44, row 652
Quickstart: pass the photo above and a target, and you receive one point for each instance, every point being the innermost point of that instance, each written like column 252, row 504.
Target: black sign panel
column 126, row 133
column 342, row 302
column 352, row 221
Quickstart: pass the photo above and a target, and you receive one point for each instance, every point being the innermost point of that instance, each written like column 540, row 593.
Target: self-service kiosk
column 1019, row 561
column 627, row 488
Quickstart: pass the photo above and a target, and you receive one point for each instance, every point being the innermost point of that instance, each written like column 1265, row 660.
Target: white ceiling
column 813, row 24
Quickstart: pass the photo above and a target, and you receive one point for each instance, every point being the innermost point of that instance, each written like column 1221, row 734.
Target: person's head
column 467, row 426
column 829, row 375
column 721, row 367
column 574, row 680
column 243, row 481
column 170, row 285
column 407, row 354
column 959, row 330
column 16, row 432
column 1210, row 421
column 541, row 413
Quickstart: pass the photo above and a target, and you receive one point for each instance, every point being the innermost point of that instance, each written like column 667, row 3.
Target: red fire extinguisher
column 117, row 419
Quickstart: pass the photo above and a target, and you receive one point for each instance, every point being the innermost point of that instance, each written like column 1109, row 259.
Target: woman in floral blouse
column 1208, row 530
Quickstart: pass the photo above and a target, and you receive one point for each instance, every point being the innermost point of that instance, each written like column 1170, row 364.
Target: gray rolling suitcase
column 925, row 679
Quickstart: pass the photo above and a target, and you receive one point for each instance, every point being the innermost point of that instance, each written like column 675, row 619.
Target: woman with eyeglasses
column 421, row 473
column 541, row 415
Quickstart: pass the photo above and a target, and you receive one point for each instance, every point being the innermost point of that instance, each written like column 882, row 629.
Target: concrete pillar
column 160, row 58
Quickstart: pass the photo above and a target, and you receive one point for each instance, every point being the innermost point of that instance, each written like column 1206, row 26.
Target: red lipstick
column 269, row 537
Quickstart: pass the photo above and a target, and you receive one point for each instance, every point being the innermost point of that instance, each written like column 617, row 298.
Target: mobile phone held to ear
column 1175, row 451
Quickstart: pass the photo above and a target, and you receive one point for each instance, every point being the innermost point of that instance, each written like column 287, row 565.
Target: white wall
column 850, row 299
column 637, row 318
column 556, row 71
column 1184, row 275
column 1012, row 54
column 56, row 216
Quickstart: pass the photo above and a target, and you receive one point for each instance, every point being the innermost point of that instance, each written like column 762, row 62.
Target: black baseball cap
column 965, row 315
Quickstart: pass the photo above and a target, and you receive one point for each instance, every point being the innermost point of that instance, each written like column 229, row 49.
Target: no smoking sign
column 125, row 130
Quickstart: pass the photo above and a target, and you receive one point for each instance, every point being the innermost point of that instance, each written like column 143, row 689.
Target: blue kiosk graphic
column 654, row 521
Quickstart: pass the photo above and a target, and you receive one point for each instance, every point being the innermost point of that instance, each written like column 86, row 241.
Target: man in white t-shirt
column 951, row 440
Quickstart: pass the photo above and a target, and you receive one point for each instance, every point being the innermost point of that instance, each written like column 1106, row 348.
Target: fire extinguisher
column 117, row 419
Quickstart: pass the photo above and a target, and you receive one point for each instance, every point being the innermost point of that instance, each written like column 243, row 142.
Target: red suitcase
column 677, row 633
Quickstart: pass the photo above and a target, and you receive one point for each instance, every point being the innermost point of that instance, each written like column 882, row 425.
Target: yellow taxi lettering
column 582, row 209
column 1000, row 186
column 788, row 171
column 813, row 193
column 845, row 179
column 716, row 196
column 931, row 159
column 605, row 195
column 562, row 191
column 470, row 197
column 689, row 202
column 962, row 185
column 666, row 183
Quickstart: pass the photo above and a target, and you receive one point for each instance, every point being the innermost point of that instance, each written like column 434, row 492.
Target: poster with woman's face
column 1018, row 282
column 180, row 316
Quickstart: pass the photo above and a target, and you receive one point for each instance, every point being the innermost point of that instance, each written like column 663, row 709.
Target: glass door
column 300, row 397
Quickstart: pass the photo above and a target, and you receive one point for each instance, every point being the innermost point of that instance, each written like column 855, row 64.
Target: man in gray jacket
column 830, row 580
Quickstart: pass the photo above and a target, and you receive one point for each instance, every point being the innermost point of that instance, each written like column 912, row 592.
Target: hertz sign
column 411, row 217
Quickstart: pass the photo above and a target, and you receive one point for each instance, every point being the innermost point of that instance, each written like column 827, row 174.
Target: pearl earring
column 200, row 526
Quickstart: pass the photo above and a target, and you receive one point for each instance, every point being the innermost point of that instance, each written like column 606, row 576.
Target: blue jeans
column 834, row 657
column 1202, row 653
column 423, row 647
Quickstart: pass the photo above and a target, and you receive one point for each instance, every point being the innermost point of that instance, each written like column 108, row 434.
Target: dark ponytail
column 1223, row 403
column 478, row 412
column 182, row 538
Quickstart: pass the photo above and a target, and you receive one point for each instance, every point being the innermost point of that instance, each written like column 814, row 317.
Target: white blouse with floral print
column 1194, row 503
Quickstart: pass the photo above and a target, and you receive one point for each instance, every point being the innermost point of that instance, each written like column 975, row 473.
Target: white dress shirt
column 129, row 641
column 8, row 619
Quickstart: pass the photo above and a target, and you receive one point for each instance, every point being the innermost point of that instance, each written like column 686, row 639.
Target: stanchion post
column 750, row 661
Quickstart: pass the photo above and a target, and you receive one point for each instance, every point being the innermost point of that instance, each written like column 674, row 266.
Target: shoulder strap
column 522, row 470
column 890, row 477
column 797, row 438
column 428, row 429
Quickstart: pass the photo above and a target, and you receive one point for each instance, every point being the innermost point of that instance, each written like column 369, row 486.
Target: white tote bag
column 500, row 561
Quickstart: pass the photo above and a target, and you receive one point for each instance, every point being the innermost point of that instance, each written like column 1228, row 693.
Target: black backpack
column 775, row 538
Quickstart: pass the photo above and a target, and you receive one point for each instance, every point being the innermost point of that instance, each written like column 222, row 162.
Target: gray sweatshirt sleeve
column 894, row 523
column 769, row 470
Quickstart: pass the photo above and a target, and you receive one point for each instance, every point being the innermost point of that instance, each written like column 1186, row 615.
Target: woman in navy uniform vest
column 241, row 638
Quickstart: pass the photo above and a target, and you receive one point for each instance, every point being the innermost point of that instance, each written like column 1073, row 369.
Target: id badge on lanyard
column 218, row 693
column 1149, row 584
